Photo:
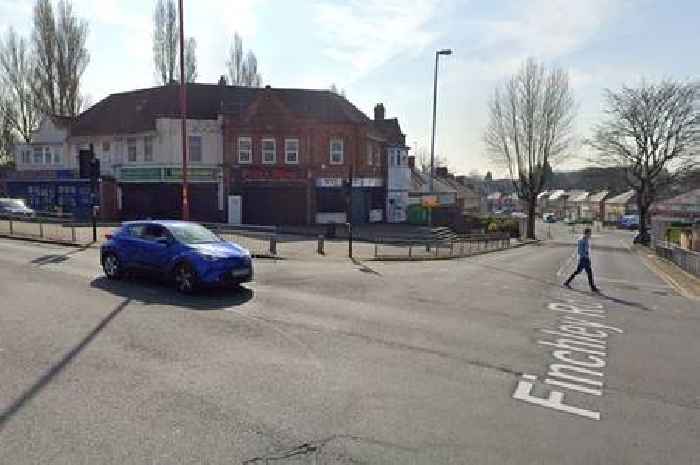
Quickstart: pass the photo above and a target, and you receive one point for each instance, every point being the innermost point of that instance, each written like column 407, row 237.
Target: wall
column 47, row 135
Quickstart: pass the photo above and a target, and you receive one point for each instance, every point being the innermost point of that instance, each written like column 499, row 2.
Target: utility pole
column 94, row 175
column 183, row 111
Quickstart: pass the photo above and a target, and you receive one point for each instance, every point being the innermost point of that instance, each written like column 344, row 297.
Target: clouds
column 366, row 34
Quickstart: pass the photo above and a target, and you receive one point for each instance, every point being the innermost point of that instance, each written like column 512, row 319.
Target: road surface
column 329, row 361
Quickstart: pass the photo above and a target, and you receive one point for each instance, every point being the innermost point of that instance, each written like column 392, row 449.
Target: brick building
column 289, row 153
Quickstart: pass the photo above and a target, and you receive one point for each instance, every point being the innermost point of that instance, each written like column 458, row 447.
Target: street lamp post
column 183, row 111
column 432, row 141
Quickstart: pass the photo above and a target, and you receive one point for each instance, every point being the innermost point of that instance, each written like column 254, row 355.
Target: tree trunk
column 531, row 209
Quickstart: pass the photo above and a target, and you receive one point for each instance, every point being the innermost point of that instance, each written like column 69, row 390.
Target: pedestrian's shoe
column 595, row 290
column 567, row 285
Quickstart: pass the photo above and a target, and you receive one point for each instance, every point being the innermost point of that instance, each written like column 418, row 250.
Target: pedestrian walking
column 584, row 261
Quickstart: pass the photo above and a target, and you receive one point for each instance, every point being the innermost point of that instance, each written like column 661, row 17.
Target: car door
column 154, row 251
column 129, row 247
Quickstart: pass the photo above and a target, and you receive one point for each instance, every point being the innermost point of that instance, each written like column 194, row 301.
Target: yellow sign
column 430, row 201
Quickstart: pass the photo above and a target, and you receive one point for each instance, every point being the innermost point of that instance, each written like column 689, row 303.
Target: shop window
column 38, row 155
column 47, row 155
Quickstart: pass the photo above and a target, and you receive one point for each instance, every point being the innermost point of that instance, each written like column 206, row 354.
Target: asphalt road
column 329, row 361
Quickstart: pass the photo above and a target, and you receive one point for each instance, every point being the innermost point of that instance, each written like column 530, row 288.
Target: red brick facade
column 293, row 186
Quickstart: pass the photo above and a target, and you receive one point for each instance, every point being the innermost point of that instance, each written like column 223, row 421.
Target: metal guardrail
column 459, row 246
column 260, row 240
column 683, row 258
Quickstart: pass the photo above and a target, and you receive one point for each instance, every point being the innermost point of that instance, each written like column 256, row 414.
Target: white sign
column 329, row 182
column 234, row 209
column 375, row 216
column 356, row 182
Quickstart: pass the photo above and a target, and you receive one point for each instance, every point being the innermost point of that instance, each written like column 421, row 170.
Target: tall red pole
column 183, row 111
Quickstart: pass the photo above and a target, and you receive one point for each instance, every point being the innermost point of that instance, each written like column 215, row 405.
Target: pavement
column 331, row 361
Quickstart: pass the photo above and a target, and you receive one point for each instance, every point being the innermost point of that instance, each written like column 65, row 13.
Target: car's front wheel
column 185, row 278
column 111, row 266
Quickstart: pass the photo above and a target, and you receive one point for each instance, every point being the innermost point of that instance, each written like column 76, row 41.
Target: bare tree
column 7, row 134
column 333, row 88
column 242, row 71
column 166, row 42
column 17, row 103
column 653, row 133
column 71, row 58
column 190, row 61
column 531, row 127
column 61, row 58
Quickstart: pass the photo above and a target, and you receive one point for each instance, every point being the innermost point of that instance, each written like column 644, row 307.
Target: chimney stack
column 379, row 112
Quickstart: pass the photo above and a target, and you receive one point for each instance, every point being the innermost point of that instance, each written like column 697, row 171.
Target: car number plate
column 240, row 272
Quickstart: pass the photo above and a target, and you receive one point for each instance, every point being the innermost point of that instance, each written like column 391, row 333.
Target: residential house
column 577, row 204
column 681, row 208
column 441, row 201
column 494, row 202
column 620, row 205
column 542, row 199
column 472, row 194
column 594, row 207
column 556, row 203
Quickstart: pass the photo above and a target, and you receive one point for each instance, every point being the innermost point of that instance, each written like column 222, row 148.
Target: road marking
column 580, row 351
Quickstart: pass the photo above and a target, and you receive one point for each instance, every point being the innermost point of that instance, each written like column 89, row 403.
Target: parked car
column 549, row 218
column 185, row 253
column 629, row 222
column 15, row 207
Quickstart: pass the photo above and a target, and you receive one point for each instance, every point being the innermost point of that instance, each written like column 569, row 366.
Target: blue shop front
column 55, row 192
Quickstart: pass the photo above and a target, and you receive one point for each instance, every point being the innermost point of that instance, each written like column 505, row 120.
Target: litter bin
column 330, row 230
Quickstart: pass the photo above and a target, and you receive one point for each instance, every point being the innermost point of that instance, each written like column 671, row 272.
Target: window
column 195, row 148
column 370, row 154
column 268, row 151
column 245, row 150
column 336, row 152
column 26, row 156
column 47, row 155
column 148, row 148
column 291, row 151
column 131, row 149
column 38, row 155
column 57, row 155
column 106, row 146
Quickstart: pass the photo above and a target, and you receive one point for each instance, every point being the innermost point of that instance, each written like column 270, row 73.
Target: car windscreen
column 12, row 203
column 192, row 234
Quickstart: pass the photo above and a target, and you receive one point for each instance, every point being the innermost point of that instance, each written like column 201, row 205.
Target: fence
column 683, row 258
column 460, row 246
column 259, row 240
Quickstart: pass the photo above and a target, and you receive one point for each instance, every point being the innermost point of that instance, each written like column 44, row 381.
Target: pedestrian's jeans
column 584, row 263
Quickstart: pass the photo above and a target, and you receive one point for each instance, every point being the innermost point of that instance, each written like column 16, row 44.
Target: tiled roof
column 557, row 194
column 598, row 196
column 136, row 111
column 622, row 198
column 689, row 198
column 391, row 129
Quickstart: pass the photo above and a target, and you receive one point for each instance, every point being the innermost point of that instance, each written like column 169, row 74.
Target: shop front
column 272, row 196
column 368, row 199
column 53, row 192
column 156, row 192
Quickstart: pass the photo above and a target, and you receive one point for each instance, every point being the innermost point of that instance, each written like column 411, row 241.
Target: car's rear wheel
column 111, row 266
column 185, row 278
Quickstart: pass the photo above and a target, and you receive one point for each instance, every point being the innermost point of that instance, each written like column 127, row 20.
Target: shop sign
column 430, row 201
column 270, row 174
column 140, row 174
column 329, row 182
column 193, row 174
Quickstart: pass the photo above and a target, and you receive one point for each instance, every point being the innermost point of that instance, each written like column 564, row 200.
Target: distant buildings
column 620, row 205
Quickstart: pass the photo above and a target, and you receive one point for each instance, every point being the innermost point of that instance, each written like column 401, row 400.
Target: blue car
column 186, row 253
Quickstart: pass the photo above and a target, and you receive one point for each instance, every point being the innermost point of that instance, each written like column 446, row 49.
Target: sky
column 384, row 51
